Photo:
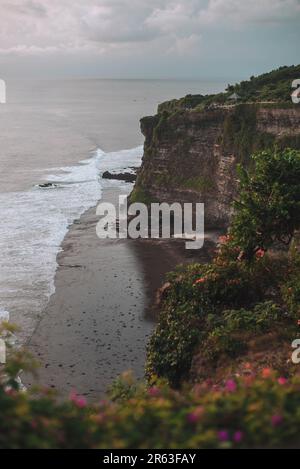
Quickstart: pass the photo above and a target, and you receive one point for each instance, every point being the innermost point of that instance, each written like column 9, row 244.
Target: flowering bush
column 196, row 307
column 250, row 411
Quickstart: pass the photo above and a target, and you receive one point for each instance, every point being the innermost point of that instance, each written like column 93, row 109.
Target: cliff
column 191, row 153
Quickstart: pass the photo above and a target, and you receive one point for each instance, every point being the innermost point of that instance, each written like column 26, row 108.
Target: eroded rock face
column 192, row 156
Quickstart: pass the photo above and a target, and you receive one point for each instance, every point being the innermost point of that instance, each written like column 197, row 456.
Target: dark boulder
column 127, row 177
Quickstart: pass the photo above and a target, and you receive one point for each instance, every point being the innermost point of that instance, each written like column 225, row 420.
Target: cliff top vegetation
column 274, row 87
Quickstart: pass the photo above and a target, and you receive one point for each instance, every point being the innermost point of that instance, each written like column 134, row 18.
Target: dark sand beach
column 99, row 320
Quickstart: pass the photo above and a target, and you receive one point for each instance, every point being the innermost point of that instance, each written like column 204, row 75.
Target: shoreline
column 99, row 320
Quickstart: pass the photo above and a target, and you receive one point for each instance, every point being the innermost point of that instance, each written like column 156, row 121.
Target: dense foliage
column 274, row 87
column 216, row 307
column 268, row 206
column 253, row 410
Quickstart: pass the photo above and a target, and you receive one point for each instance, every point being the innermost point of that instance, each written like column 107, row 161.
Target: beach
column 93, row 327
column 99, row 320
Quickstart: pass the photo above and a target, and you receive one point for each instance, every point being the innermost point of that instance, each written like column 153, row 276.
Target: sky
column 180, row 39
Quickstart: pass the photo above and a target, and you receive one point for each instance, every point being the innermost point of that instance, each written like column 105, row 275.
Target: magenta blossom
column 223, row 435
column 238, row 437
column 282, row 381
column 276, row 420
column 79, row 401
column 192, row 417
column 231, row 385
column 154, row 391
column 196, row 415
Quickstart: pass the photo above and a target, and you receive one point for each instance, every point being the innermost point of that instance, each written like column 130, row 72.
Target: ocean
column 65, row 132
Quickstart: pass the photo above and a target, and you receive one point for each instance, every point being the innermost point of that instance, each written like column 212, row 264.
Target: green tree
column 268, row 207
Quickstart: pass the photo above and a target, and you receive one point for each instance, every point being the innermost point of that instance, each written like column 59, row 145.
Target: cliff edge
column 191, row 156
column 193, row 145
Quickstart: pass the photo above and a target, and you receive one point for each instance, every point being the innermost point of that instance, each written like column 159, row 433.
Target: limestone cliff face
column 191, row 156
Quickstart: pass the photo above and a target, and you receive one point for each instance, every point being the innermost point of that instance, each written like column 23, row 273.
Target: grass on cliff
column 273, row 87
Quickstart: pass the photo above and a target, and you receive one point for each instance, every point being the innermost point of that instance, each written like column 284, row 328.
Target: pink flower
column 9, row 391
column 154, row 391
column 248, row 366
column 266, row 373
column 282, row 381
column 223, row 239
column 103, row 403
column 79, row 401
column 260, row 253
column 276, row 420
column 34, row 424
column 223, row 435
column 248, row 380
column 234, row 281
column 231, row 385
column 192, row 418
column 196, row 415
column 238, row 437
column 200, row 280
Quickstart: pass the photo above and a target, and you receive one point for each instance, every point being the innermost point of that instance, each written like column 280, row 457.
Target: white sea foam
column 33, row 226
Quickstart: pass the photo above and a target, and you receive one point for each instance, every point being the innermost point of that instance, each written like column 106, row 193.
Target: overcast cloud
column 183, row 38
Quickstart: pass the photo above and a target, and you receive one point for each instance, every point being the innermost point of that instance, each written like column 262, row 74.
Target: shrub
column 229, row 333
column 198, row 293
column 268, row 208
column 181, row 320
column 290, row 288
column 254, row 410
column 124, row 387
column 260, row 319
column 171, row 347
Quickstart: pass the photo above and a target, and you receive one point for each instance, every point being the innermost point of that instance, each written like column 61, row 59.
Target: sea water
column 66, row 133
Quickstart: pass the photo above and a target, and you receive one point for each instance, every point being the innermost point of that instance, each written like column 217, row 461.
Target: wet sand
column 99, row 320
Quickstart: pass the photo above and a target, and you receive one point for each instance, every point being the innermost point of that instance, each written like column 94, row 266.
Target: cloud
column 250, row 11
column 186, row 46
column 24, row 8
column 100, row 26
column 117, row 22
